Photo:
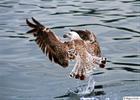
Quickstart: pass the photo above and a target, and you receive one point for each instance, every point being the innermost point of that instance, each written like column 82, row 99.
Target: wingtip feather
column 31, row 31
column 30, row 24
column 36, row 22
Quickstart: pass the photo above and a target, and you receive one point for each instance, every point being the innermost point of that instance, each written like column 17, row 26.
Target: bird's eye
column 69, row 34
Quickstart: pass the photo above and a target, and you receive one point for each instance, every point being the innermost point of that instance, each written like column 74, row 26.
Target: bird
column 81, row 46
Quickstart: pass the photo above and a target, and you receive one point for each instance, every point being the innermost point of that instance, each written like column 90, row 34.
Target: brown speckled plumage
column 82, row 50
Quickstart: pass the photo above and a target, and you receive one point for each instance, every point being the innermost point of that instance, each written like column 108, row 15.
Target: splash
column 89, row 98
column 89, row 88
column 86, row 89
column 82, row 92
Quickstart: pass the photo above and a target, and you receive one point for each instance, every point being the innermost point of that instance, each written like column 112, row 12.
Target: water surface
column 25, row 72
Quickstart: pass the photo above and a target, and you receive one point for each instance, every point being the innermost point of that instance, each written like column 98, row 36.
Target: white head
column 72, row 35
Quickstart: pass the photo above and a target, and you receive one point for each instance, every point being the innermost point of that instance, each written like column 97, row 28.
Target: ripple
column 127, row 38
column 128, row 64
column 98, row 73
column 113, row 9
column 134, row 70
column 47, row 0
column 88, row 1
column 136, row 36
column 131, row 80
column 112, row 20
column 131, row 16
column 14, row 36
column 19, row 11
column 131, row 56
column 6, row 6
column 27, row 4
column 44, row 7
column 82, row 12
column 71, row 5
column 127, row 29
column 59, row 13
column 8, row 2
column 116, row 25
column 116, row 83
column 128, row 1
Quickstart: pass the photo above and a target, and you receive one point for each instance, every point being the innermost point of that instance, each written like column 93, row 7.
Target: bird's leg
column 72, row 74
column 74, row 71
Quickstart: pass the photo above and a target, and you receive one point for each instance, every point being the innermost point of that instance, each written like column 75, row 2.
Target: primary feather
column 49, row 43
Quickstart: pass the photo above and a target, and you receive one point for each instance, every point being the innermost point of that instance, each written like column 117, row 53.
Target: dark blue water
column 25, row 72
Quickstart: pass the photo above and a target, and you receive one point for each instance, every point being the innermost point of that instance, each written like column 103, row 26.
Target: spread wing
column 49, row 43
column 61, row 53
column 85, row 35
column 91, row 40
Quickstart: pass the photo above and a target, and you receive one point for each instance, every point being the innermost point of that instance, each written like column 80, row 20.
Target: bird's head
column 71, row 35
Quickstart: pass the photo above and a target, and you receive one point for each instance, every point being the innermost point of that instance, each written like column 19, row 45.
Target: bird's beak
column 65, row 36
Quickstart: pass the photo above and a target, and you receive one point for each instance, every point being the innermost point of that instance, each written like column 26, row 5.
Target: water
column 26, row 74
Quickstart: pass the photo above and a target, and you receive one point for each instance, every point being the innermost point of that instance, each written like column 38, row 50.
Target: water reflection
column 128, row 64
column 131, row 56
column 120, row 28
column 126, row 69
column 13, row 37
